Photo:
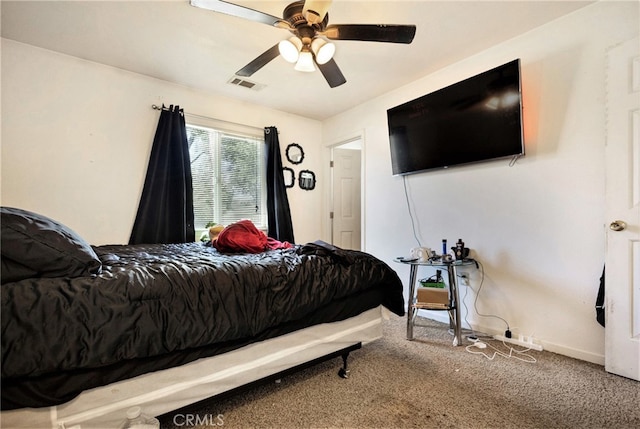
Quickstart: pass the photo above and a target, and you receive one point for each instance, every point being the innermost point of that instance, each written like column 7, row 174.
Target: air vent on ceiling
column 246, row 83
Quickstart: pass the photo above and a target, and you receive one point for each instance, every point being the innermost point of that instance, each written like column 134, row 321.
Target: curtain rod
column 156, row 107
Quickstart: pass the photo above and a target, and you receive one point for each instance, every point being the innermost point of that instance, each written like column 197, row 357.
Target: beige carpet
column 428, row 383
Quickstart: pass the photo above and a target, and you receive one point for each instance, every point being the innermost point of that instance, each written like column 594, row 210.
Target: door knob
column 618, row 225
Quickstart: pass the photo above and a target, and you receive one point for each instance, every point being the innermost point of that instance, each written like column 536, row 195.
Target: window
column 228, row 176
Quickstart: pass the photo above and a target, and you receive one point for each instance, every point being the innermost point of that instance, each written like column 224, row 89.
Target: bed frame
column 161, row 392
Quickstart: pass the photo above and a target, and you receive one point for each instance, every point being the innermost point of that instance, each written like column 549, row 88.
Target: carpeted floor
column 428, row 383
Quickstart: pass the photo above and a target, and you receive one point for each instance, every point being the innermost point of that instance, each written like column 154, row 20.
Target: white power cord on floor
column 480, row 348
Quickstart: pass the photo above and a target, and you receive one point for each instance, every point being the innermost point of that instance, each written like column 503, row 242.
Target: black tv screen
column 477, row 119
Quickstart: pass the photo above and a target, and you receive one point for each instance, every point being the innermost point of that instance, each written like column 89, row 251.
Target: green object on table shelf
column 432, row 283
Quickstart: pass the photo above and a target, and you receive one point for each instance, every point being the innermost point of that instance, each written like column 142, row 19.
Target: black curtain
column 165, row 213
column 278, row 212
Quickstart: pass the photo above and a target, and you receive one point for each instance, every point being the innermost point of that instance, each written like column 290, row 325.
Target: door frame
column 328, row 181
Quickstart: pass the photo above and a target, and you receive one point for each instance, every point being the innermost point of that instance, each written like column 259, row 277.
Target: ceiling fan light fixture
column 290, row 49
column 305, row 62
column 308, row 20
column 322, row 50
column 314, row 11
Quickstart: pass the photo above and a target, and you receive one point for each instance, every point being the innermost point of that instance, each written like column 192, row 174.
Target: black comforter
column 155, row 306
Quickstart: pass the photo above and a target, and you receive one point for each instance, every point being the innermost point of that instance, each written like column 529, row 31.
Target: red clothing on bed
column 243, row 236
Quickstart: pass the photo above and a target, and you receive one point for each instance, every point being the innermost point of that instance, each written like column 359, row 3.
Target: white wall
column 76, row 138
column 536, row 227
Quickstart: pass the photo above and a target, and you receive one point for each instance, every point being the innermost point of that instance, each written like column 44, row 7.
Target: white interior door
column 346, row 229
column 622, row 279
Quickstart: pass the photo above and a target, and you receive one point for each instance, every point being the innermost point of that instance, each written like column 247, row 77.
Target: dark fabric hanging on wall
column 165, row 213
column 600, row 309
column 278, row 211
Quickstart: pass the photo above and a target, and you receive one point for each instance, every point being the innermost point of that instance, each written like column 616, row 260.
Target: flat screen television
column 477, row 119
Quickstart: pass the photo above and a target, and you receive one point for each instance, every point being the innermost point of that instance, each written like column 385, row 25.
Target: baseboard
column 556, row 348
column 598, row 359
column 439, row 316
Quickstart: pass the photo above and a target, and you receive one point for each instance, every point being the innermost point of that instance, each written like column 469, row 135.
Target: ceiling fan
column 308, row 23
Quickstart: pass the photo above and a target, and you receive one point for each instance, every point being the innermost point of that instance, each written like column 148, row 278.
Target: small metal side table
column 453, row 308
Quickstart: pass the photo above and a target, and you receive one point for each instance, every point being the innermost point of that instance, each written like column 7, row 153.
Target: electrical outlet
column 464, row 279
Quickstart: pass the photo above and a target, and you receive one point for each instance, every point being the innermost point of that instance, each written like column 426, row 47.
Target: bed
column 89, row 331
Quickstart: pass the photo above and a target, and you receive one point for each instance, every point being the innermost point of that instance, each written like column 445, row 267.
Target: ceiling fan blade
column 238, row 11
column 371, row 32
column 332, row 73
column 259, row 62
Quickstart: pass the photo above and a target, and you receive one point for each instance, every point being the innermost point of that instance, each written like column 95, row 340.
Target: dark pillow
column 34, row 245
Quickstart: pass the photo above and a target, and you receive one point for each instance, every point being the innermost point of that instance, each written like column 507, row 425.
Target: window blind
column 228, row 176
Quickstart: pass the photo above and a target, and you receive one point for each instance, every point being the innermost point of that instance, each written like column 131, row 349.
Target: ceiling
column 176, row 42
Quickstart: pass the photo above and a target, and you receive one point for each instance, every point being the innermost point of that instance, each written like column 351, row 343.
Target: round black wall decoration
column 295, row 154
